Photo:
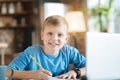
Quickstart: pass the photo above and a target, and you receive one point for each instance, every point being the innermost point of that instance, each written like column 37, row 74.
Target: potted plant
column 102, row 14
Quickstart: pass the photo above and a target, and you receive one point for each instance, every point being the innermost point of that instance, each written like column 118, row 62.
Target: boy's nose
column 55, row 37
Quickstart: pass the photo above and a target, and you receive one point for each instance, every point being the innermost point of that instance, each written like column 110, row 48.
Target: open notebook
column 55, row 78
column 103, row 56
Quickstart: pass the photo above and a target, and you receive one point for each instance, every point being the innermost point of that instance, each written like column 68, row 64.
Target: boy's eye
column 49, row 33
column 60, row 35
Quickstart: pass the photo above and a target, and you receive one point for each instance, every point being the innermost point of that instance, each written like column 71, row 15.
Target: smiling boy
column 55, row 56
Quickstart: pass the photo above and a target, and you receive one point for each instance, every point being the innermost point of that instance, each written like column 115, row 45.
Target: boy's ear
column 67, row 38
column 41, row 35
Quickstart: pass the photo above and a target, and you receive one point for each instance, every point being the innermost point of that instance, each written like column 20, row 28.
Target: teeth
column 53, row 44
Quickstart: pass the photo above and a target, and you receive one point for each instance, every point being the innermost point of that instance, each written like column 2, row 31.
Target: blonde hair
column 55, row 20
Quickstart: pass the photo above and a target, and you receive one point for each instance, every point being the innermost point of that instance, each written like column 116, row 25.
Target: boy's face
column 54, row 37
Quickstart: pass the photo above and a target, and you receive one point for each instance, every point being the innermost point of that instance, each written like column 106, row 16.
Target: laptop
column 103, row 56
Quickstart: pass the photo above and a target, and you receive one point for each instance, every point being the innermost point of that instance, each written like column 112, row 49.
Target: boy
column 54, row 55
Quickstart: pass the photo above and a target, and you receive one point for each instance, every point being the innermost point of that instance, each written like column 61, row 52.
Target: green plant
column 102, row 14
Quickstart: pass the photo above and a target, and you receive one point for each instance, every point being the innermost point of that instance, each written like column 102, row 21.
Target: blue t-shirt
column 58, row 64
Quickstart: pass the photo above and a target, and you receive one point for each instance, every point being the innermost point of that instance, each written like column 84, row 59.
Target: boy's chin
column 55, row 49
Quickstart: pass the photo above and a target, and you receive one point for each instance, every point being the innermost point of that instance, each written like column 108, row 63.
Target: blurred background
column 21, row 22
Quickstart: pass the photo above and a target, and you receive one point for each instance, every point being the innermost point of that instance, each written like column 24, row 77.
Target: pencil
column 36, row 62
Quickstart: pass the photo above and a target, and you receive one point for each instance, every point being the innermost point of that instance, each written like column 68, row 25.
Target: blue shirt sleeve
column 20, row 62
column 75, row 57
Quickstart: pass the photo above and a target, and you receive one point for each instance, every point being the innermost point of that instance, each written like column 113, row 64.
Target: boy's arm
column 73, row 74
column 83, row 71
column 39, row 74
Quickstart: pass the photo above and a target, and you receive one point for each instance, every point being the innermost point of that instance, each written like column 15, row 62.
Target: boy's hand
column 42, row 75
column 69, row 75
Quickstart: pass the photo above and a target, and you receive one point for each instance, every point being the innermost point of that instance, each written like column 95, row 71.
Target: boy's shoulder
column 68, row 47
column 34, row 47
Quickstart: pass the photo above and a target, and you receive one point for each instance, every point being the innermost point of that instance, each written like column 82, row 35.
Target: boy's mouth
column 53, row 44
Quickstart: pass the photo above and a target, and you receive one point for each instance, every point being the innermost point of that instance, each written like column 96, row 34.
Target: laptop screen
column 103, row 56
